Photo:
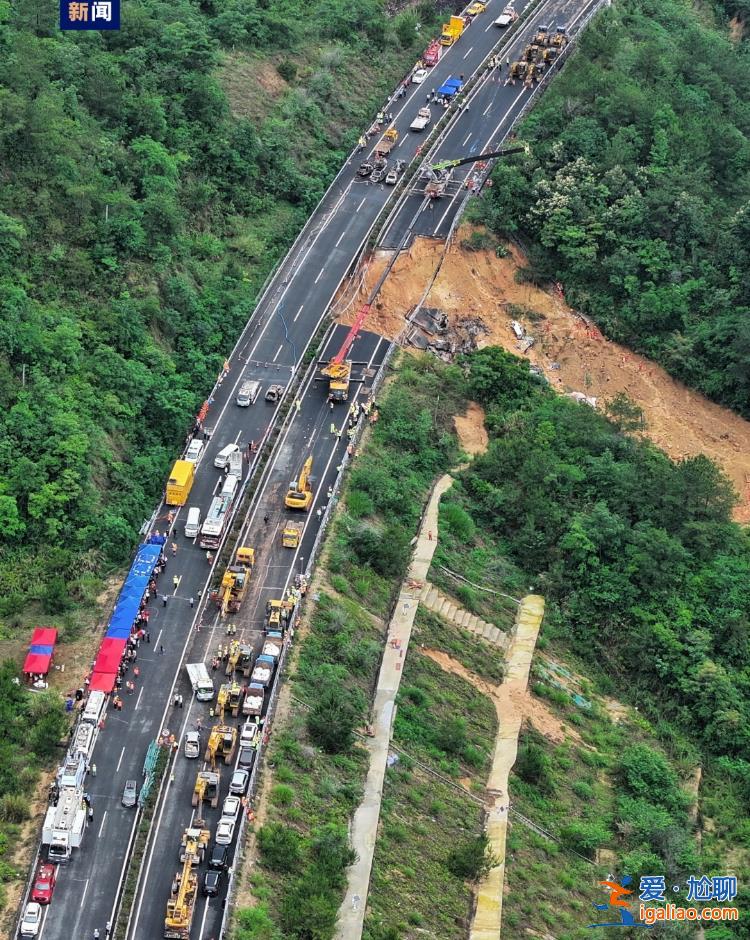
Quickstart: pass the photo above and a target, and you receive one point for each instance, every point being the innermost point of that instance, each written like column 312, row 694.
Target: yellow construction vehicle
column 222, row 700
column 221, row 743
column 291, row 535
column 207, row 787
column 195, row 842
column 235, row 698
column 234, row 584
column 245, row 663
column 518, row 70
column 181, row 905
column 278, row 613
column 233, row 657
column 299, row 495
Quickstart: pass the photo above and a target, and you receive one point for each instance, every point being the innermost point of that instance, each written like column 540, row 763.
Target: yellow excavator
column 234, row 583
column 181, row 905
column 235, row 698
column 221, row 743
column 207, row 787
column 222, row 701
column 233, row 658
column 299, row 495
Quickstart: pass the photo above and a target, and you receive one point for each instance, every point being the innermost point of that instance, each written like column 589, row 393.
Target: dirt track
column 479, row 285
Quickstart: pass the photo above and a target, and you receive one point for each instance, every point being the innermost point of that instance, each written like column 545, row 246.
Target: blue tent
column 450, row 87
column 129, row 599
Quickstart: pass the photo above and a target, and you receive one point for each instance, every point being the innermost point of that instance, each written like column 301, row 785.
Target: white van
column 95, row 708
column 194, row 451
column 221, row 460
column 193, row 524
column 247, row 394
column 200, row 681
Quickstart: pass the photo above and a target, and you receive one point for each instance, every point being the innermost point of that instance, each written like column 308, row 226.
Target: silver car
column 130, row 793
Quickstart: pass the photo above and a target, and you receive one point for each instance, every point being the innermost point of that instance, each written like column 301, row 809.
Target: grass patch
column 479, row 657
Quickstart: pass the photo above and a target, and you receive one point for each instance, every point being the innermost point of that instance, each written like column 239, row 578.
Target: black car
column 219, row 858
column 212, row 882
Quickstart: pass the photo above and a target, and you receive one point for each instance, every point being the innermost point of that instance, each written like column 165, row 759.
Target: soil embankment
column 575, row 357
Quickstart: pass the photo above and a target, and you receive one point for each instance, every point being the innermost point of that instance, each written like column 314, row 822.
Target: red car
column 44, row 884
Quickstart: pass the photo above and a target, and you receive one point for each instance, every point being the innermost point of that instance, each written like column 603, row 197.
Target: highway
column 270, row 350
column 493, row 108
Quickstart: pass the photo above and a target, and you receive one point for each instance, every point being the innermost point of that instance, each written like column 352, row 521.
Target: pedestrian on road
column 209, row 557
column 93, row 770
column 96, row 933
column 319, row 513
column 146, row 596
column 136, row 672
column 265, row 519
column 91, row 814
column 192, row 602
column 148, row 636
column 176, row 582
column 174, row 548
column 333, row 428
column 298, row 405
column 330, row 403
column 161, row 650
column 176, row 700
column 109, row 928
column 164, row 599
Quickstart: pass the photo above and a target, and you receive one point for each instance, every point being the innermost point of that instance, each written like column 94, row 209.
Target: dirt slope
column 575, row 357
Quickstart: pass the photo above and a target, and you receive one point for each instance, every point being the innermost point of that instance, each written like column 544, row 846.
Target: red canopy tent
column 40, row 652
column 109, row 655
column 102, row 682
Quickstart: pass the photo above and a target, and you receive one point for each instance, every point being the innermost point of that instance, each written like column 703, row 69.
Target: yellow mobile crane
column 222, row 700
column 299, row 495
column 233, row 657
column 181, row 905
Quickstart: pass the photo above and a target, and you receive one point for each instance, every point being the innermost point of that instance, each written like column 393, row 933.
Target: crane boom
column 460, row 161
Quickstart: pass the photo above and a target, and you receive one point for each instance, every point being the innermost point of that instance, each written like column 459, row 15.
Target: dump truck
column 263, row 670
column 252, row 706
column 291, row 534
column 181, row 904
column 180, row 482
column 299, row 494
column 200, row 681
column 207, row 787
column 452, row 30
column 387, row 142
column 423, row 118
column 273, row 645
column 431, row 55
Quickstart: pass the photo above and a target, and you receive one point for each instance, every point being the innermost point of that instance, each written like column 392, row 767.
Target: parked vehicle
column 212, row 882
column 130, row 793
column 192, row 744
column 238, row 783
column 44, row 883
column 32, row 920
column 418, row 76
column 224, row 831
column 247, row 394
column 219, row 857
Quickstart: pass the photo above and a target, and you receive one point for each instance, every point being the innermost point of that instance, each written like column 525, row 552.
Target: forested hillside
column 138, row 218
column 635, row 193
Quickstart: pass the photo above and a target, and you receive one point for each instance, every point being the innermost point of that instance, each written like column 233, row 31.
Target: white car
column 231, row 808
column 419, row 76
column 224, row 831
column 192, row 744
column 239, row 782
column 32, row 920
column 505, row 19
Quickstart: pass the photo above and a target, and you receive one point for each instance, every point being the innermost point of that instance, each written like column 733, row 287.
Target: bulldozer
column 181, row 905
column 278, row 613
column 299, row 494
column 233, row 657
column 560, row 39
column 245, row 664
column 518, row 70
column 542, row 37
column 195, row 842
column 533, row 73
column 207, row 787
column 291, row 535
column 234, row 583
column 221, row 743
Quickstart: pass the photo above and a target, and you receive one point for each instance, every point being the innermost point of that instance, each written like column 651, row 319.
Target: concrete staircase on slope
column 434, row 600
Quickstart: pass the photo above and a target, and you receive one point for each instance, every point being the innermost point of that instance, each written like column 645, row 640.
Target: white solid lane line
column 119, row 762
column 101, row 827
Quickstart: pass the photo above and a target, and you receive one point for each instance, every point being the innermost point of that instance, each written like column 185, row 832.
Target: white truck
column 72, row 773
column 200, row 681
column 423, row 118
column 64, row 825
column 252, row 704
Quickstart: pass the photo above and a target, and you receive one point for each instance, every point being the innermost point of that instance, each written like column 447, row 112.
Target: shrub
column 458, row 522
column 533, row 766
column 287, row 70
column 473, row 859
column 334, row 716
column 585, row 837
column 282, row 795
column 14, row 808
column 279, row 847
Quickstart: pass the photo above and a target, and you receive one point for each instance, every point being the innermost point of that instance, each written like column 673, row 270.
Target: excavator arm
column 460, row 161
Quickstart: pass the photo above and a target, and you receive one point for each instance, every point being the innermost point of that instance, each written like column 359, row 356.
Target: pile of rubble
column 431, row 329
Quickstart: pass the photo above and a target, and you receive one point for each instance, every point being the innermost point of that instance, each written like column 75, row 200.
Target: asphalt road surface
column 269, row 350
column 493, row 107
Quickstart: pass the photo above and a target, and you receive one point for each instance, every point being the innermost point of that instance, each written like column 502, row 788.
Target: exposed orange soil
column 471, row 431
column 478, row 285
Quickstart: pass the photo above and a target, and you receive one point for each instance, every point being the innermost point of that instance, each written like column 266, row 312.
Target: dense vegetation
column 138, row 217
column 635, row 192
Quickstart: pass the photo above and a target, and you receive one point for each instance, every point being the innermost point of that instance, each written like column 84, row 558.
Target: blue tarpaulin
column 129, row 600
column 451, row 86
